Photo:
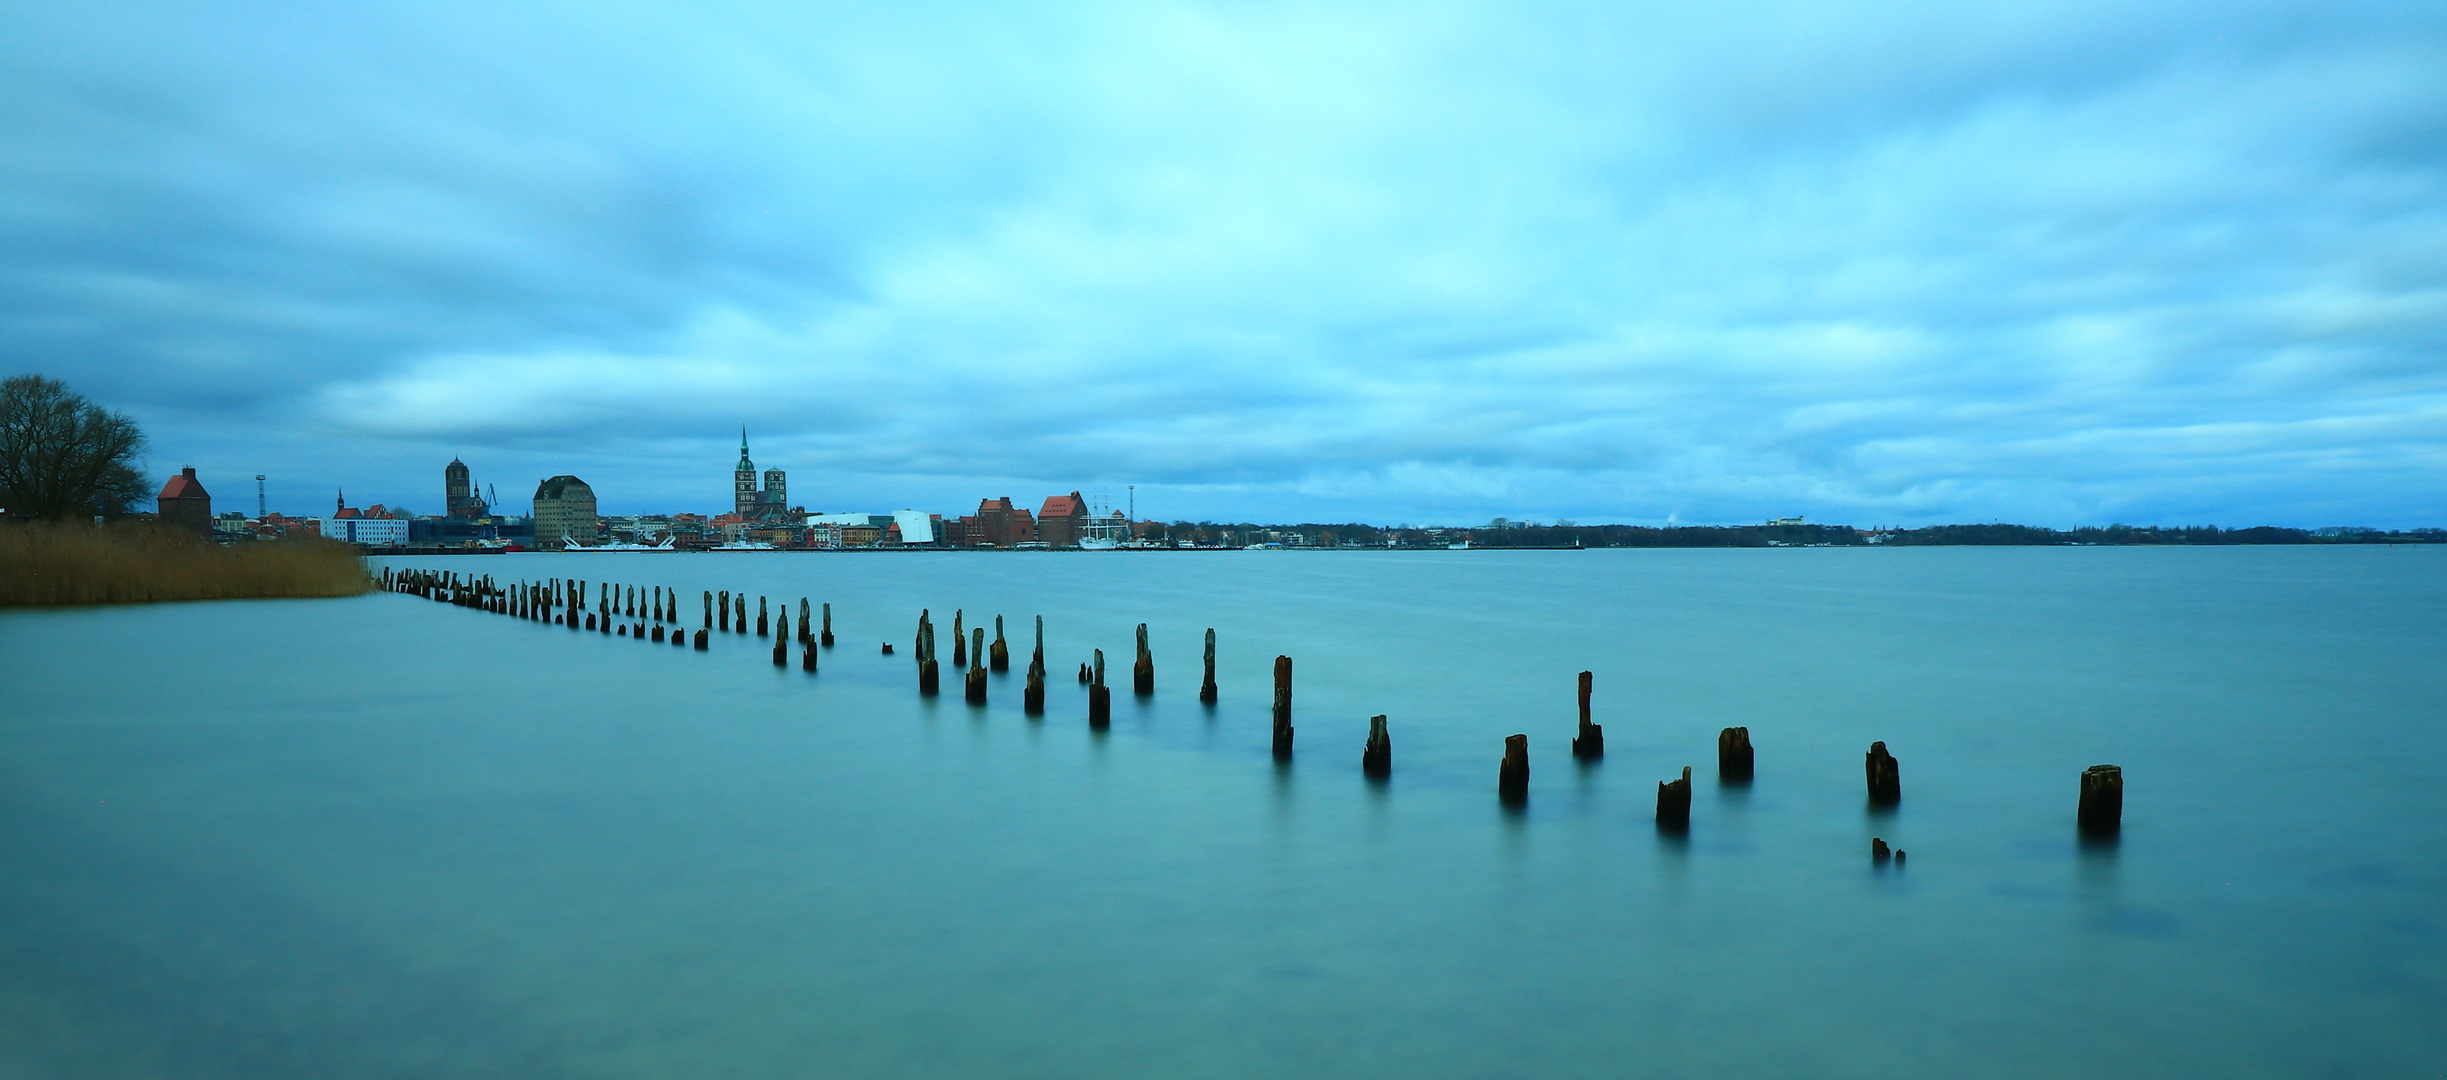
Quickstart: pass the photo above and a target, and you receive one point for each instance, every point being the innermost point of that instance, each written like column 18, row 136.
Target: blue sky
column 1876, row 264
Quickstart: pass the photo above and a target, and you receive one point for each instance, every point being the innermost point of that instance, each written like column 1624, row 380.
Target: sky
column 1874, row 264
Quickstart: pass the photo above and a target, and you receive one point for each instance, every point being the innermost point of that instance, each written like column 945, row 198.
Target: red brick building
column 1059, row 521
column 184, row 502
column 998, row 524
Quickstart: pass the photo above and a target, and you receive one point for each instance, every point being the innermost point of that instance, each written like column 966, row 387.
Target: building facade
column 459, row 498
column 564, row 508
column 184, row 502
column 1060, row 520
column 771, row 503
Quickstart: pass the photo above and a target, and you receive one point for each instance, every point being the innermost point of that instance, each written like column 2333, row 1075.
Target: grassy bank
column 43, row 564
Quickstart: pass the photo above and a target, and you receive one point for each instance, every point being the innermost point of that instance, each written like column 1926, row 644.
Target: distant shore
column 47, row 564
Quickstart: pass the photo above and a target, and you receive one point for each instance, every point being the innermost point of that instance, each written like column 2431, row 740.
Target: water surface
column 387, row 837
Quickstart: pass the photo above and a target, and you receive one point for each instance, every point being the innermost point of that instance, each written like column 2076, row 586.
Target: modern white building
column 360, row 530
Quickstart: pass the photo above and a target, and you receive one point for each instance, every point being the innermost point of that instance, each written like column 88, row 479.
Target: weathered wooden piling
column 1000, row 660
column 709, row 611
column 807, row 652
column 929, row 681
column 739, row 620
column 1143, row 670
column 1282, row 708
column 658, row 633
column 1032, row 700
column 724, row 602
column 624, row 630
column 590, row 620
column 960, row 641
column 806, row 633
column 827, row 639
column 1206, row 686
column 1877, row 850
column 1376, row 759
column 701, row 635
column 1083, row 673
column 2102, row 807
column 887, row 648
column 976, row 686
column 1590, row 742
column 1885, row 779
column 1100, row 698
column 1512, row 777
column 761, row 617
column 1733, row 756
column 781, row 642
column 1674, row 802
column 632, row 594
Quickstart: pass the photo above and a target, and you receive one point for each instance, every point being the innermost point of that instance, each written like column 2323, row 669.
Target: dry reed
column 45, row 563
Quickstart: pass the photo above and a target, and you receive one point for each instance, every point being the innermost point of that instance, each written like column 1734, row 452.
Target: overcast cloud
column 1904, row 263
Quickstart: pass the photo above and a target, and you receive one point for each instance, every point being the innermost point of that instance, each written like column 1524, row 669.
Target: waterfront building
column 771, row 503
column 997, row 523
column 564, row 507
column 459, row 498
column 184, row 502
column 1061, row 519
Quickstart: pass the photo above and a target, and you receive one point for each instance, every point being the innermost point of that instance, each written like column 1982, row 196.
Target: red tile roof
column 1070, row 505
column 183, row 486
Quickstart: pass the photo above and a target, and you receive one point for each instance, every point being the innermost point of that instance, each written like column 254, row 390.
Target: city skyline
column 2053, row 263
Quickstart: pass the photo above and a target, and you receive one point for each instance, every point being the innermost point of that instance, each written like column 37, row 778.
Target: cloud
column 1903, row 263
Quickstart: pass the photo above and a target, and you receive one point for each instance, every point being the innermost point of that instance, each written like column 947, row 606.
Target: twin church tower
column 770, row 504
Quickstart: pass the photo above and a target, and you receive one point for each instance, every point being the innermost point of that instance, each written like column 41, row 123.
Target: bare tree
column 62, row 456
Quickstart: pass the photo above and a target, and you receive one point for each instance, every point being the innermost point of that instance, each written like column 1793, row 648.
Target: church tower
column 743, row 480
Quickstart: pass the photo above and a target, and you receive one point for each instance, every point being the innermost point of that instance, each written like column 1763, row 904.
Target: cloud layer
column 1899, row 264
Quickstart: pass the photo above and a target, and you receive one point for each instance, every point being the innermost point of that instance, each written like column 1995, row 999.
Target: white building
column 364, row 530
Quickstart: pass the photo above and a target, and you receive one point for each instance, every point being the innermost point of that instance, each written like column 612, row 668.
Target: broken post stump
column 658, row 635
column 827, row 639
column 960, row 642
column 1282, row 708
column 1590, row 743
column 1733, row 754
column 1100, row 698
column 1877, row 850
column 929, row 674
column 1206, row 688
column 1001, row 659
column 1032, row 700
column 807, row 654
column 2102, row 807
column 701, row 640
column 739, row 621
column 1674, row 802
column 761, row 617
column 805, row 633
column 977, row 666
column 781, row 650
column 1512, row 777
column 1885, row 780
column 1083, row 673
column 724, row 602
column 1377, row 758
column 1143, row 671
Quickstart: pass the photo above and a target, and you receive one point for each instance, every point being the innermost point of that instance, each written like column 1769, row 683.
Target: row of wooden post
column 564, row 601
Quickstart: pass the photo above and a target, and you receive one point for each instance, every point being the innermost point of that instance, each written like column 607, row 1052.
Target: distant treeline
column 1698, row 536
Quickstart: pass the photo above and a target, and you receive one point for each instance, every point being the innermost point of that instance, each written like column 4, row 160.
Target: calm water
column 386, row 837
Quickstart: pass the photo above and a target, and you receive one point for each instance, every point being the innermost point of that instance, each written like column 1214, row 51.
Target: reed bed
column 48, row 564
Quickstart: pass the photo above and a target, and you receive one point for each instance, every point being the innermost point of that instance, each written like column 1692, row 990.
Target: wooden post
column 1877, row 849
column 1143, row 672
column 1885, row 781
column 761, row 623
column 807, row 652
column 658, row 633
column 1733, row 754
column 724, row 602
column 1674, row 802
column 1377, row 758
column 1001, row 660
column 1282, row 708
column 1206, row 688
column 1512, row 777
column 1032, row 700
column 590, row 620
column 632, row 596
column 805, row 633
column 1100, row 698
column 977, row 665
column 781, row 641
column 2102, row 807
column 827, row 639
column 929, row 674
column 1590, row 743
column 960, row 642
column 1083, row 673
column 709, row 611
column 701, row 639
column 739, row 622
